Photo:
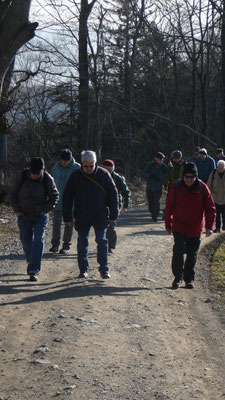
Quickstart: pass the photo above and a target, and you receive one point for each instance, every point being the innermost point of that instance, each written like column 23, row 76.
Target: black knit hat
column 37, row 165
column 190, row 168
column 66, row 155
column 159, row 155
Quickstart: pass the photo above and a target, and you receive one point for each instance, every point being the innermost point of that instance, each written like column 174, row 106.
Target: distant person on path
column 219, row 155
column 61, row 173
column 124, row 199
column 96, row 204
column 33, row 195
column 177, row 166
column 205, row 165
column 154, row 173
column 216, row 184
column 195, row 155
column 189, row 202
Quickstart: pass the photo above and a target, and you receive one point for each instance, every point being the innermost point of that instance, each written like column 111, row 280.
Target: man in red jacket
column 189, row 202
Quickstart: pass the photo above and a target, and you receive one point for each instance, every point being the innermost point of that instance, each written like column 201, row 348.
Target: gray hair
column 221, row 163
column 88, row 155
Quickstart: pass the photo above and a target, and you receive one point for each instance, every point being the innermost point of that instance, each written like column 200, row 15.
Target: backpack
column 177, row 185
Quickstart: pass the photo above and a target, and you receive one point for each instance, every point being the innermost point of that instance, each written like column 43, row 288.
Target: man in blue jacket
column 153, row 173
column 96, row 204
column 205, row 165
column 61, row 173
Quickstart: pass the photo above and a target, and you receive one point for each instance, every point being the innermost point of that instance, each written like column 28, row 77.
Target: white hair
column 221, row 163
column 88, row 155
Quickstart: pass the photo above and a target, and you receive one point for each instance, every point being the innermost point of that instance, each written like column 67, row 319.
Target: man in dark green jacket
column 154, row 173
column 124, row 199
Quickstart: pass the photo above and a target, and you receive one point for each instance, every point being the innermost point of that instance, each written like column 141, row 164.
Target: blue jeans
column 102, row 249
column 32, row 234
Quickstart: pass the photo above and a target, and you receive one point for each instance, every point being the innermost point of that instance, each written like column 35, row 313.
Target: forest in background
column 124, row 78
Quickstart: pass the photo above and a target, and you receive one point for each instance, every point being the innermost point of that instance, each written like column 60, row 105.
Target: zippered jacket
column 95, row 202
column 154, row 173
column 33, row 197
column 205, row 167
column 61, row 176
column 123, row 190
column 216, row 184
column 185, row 210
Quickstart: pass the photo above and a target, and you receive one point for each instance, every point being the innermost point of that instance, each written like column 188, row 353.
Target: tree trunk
column 83, row 72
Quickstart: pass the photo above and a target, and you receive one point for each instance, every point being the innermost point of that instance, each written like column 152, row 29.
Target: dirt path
column 130, row 337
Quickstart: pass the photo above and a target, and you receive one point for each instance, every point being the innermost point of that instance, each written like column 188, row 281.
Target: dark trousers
column 220, row 210
column 153, row 197
column 184, row 269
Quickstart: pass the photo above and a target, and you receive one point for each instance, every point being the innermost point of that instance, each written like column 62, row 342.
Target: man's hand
column 208, row 232
column 169, row 231
column 123, row 210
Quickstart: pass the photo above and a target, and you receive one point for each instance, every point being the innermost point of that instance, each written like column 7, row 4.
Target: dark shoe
column 216, row 231
column 63, row 251
column 176, row 283
column 223, row 227
column 53, row 249
column 189, row 285
column 33, row 278
column 28, row 269
column 105, row 275
column 111, row 251
column 83, row 275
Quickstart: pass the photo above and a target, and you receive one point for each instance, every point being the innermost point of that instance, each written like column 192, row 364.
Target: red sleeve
column 210, row 209
column 169, row 208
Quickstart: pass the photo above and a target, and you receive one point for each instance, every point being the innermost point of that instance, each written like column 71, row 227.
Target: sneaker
column 53, row 249
column 33, row 278
column 176, row 283
column 189, row 285
column 28, row 269
column 216, row 231
column 83, row 275
column 63, row 251
column 105, row 275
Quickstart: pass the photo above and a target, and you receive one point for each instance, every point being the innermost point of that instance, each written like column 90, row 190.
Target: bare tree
column 15, row 31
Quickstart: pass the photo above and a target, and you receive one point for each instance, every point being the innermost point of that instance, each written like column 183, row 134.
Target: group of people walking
column 90, row 195
column 195, row 192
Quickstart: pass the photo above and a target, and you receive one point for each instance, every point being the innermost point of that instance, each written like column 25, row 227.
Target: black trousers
column 184, row 269
column 153, row 197
column 220, row 210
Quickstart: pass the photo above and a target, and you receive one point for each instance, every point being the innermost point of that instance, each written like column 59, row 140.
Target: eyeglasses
column 189, row 176
column 89, row 166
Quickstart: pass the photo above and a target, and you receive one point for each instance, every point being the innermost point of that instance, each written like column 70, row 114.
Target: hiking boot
column 216, row 231
column 53, row 249
column 176, row 283
column 33, row 278
column 63, row 251
column 189, row 285
column 105, row 275
column 83, row 275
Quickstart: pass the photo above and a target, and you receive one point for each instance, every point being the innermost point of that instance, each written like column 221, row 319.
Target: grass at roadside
column 217, row 272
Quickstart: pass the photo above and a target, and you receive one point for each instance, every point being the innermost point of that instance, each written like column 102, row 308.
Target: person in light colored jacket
column 61, row 173
column 216, row 184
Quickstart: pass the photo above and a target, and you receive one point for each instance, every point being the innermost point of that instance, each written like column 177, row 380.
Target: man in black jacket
column 95, row 196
